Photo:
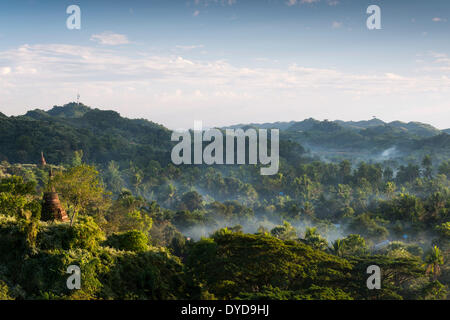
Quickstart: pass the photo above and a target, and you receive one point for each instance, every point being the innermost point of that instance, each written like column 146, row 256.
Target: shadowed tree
column 338, row 248
column 433, row 261
column 82, row 189
column 427, row 165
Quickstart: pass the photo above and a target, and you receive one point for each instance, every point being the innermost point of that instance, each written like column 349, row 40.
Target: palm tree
column 338, row 248
column 311, row 233
column 315, row 240
column 433, row 261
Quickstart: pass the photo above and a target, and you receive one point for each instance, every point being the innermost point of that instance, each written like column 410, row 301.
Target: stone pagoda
column 51, row 206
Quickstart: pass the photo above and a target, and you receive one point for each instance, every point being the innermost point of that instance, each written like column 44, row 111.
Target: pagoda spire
column 43, row 162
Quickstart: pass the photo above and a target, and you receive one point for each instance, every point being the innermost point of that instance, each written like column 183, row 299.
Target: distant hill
column 417, row 128
column 68, row 111
column 413, row 128
column 105, row 135
column 361, row 140
column 304, row 125
column 358, row 125
column 71, row 110
column 441, row 141
column 446, row 131
column 269, row 125
column 102, row 135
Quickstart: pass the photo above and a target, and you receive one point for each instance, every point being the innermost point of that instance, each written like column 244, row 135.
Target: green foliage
column 16, row 198
column 312, row 293
column 43, row 275
column 154, row 275
column 85, row 234
column 369, row 227
column 128, row 213
column 338, row 248
column 229, row 264
column 402, row 278
column 284, row 232
column 106, row 273
column 191, row 201
column 81, row 188
column 150, row 210
column 434, row 291
column 13, row 235
column 102, row 135
column 133, row 240
column 444, row 230
column 401, row 249
column 354, row 245
column 17, row 186
column 444, row 168
column 404, row 207
column 434, row 260
column 408, row 173
column 314, row 239
column 4, row 291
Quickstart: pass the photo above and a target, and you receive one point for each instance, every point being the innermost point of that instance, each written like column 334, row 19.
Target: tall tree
column 433, row 261
column 81, row 188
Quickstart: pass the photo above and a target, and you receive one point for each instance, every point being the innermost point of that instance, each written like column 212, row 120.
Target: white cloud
column 173, row 90
column 294, row 2
column 207, row 3
column 336, row 24
column 435, row 63
column 110, row 39
column 437, row 19
column 189, row 47
column 5, row 70
column 393, row 76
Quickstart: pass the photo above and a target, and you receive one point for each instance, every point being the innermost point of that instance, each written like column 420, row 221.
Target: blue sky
column 230, row 61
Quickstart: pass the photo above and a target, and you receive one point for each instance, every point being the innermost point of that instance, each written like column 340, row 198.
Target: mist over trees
column 347, row 196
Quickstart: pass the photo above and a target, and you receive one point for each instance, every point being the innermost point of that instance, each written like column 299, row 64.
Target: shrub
column 133, row 240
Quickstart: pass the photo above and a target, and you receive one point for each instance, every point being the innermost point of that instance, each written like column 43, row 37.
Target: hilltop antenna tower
column 78, row 99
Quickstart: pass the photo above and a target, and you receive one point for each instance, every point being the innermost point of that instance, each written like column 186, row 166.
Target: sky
column 229, row 61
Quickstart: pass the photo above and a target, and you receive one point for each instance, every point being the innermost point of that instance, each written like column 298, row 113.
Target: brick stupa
column 51, row 206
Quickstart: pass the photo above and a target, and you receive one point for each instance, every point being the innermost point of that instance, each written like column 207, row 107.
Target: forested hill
column 102, row 135
column 143, row 229
column 413, row 128
column 105, row 135
column 363, row 140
